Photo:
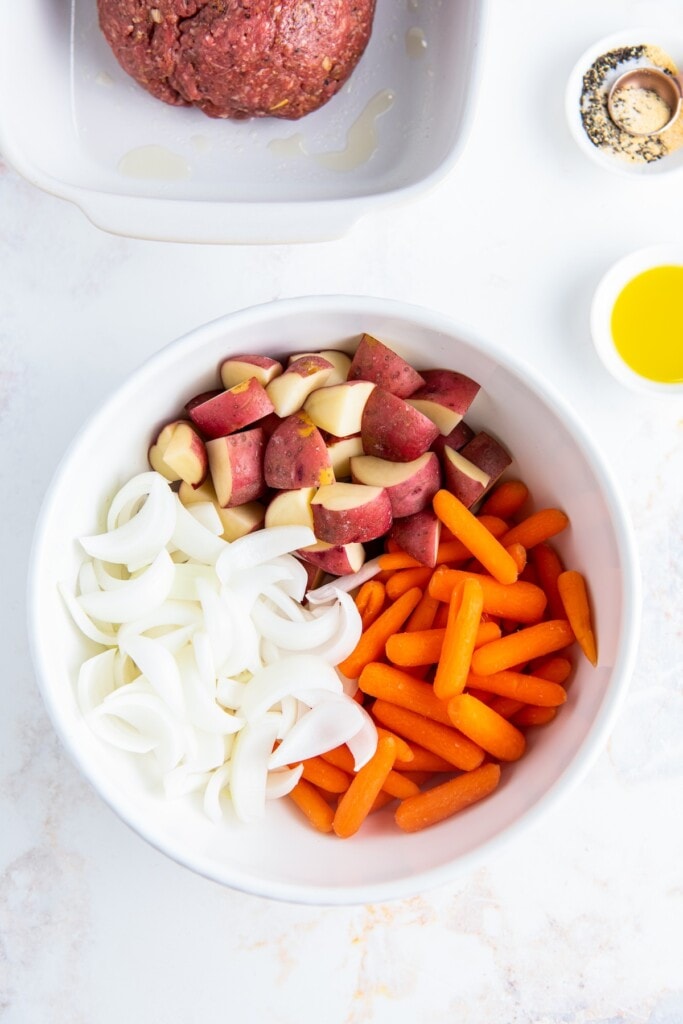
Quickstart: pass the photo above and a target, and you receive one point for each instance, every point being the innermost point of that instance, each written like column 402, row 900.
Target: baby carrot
column 536, row 528
column 572, row 588
column 531, row 715
column 486, row 727
column 520, row 647
column 423, row 761
column 399, row 786
column 325, row 775
column 398, row 560
column 467, row 528
column 404, row 579
column 521, row 601
column 528, row 689
column 370, row 601
column 506, row 499
column 387, row 683
column 554, row 669
column 548, row 566
column 310, row 800
column 423, row 616
column 518, row 552
column 443, row 740
column 356, row 803
column 446, row 799
column 455, row 551
column 423, row 647
column 504, row 706
column 464, row 616
column 403, row 749
column 373, row 640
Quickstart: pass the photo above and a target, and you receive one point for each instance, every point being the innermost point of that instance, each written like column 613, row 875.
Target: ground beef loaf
column 239, row 58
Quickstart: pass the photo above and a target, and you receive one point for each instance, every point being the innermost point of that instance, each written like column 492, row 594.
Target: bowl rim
column 610, row 284
column 595, row 739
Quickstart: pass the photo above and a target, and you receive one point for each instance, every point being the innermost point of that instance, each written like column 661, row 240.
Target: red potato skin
column 413, row 494
column 374, row 361
column 392, row 429
column 418, row 535
column 488, row 454
column 334, row 560
column 464, row 487
column 296, row 455
column 236, row 467
column 244, row 366
column 456, row 440
column 448, row 387
column 353, row 525
column 231, row 410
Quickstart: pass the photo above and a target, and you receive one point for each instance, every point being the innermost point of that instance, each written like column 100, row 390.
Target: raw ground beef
column 239, row 58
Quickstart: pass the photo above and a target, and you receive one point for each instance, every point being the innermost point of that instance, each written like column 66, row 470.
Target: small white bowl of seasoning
column 586, row 103
column 637, row 320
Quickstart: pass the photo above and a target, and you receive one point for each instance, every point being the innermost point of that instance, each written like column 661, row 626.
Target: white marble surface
column 580, row 920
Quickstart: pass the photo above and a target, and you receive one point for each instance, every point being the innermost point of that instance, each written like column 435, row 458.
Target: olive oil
column 647, row 324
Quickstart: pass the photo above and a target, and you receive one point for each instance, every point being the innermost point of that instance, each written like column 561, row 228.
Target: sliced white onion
column 229, row 692
column 348, row 632
column 244, row 653
column 99, row 634
column 219, row 621
column 140, row 539
column 205, row 512
column 139, row 596
column 202, row 709
column 287, row 677
column 190, row 536
column 249, row 584
column 249, row 772
column 321, row 595
column 290, row 608
column 107, row 580
column 170, row 613
column 148, row 716
column 185, row 577
column 363, row 743
column 289, row 715
column 87, row 577
column 218, row 780
column 180, row 781
column 96, row 680
column 295, row 636
column 296, row 586
column 261, row 546
column 281, row 782
column 206, row 750
column 325, row 726
column 159, row 667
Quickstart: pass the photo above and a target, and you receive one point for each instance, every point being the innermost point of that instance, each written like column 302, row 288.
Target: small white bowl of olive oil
column 637, row 320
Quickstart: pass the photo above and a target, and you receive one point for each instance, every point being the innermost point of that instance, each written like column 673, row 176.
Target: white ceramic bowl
column 606, row 293
column 669, row 41
column 77, row 121
column 282, row 857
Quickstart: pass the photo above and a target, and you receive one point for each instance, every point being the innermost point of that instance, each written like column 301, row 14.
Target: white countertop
column 579, row 920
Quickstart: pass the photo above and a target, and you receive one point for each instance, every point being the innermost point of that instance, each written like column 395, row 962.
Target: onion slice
column 261, row 546
column 139, row 596
column 249, row 770
column 137, row 541
column 287, row 677
column 325, row 726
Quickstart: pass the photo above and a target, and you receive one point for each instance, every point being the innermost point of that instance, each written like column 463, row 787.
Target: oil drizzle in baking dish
column 416, row 44
column 154, row 162
column 361, row 139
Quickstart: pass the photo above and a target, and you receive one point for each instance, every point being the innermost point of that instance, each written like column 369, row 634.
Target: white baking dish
column 75, row 125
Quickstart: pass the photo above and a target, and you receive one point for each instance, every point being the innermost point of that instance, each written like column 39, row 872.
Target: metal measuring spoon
column 669, row 88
